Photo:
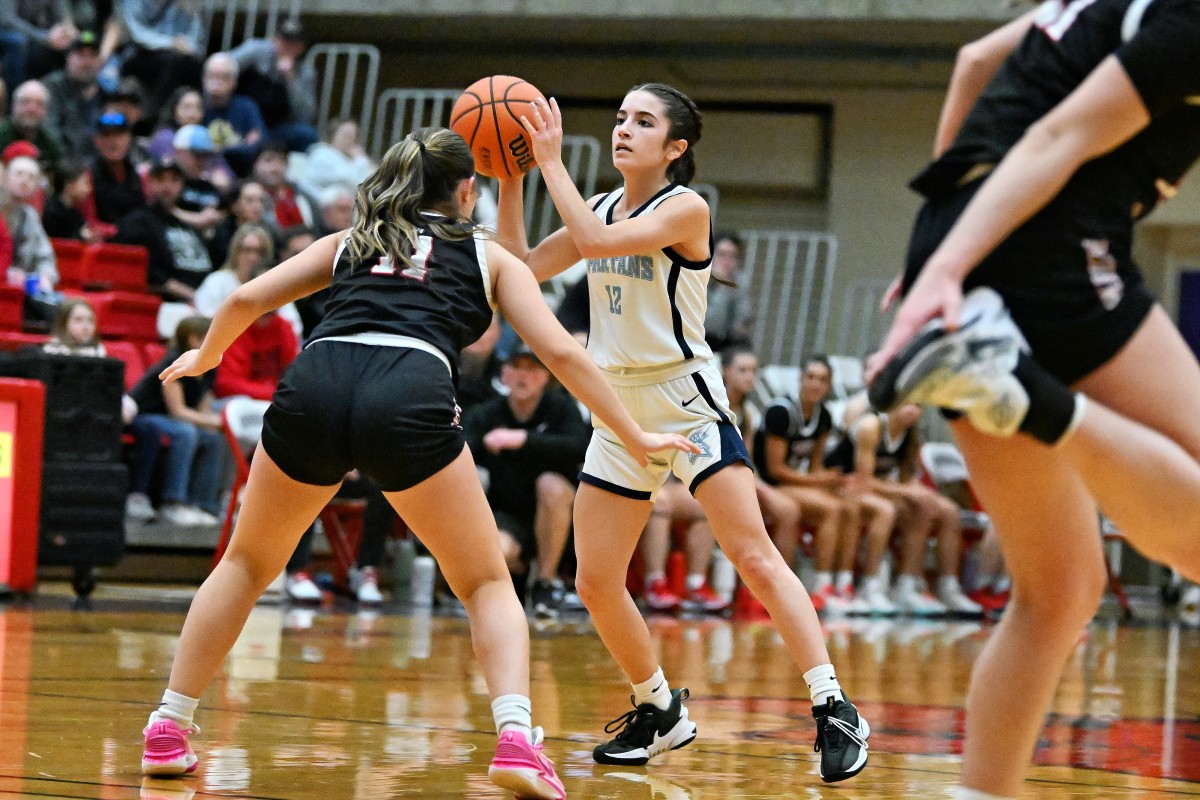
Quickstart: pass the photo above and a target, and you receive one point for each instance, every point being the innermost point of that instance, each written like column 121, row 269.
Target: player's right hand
column 189, row 364
column 649, row 443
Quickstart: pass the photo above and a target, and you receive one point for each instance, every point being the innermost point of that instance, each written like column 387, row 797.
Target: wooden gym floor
column 329, row 704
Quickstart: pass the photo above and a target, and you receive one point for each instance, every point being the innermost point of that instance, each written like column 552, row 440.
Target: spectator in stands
column 254, row 363
column 789, row 453
column 199, row 204
column 62, row 217
column 337, row 208
column 532, row 444
column 729, row 312
column 38, row 32
column 186, row 107
column 28, row 122
column 32, row 253
column 289, row 206
column 274, row 75
column 75, row 98
column 166, row 45
column 233, row 119
column 883, row 449
column 339, row 160
column 674, row 502
column 574, row 312
column 251, row 252
column 116, row 186
column 244, row 204
column 178, row 258
column 127, row 99
column 181, row 412
column 73, row 332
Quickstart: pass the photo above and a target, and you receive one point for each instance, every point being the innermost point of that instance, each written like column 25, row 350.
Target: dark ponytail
column 686, row 123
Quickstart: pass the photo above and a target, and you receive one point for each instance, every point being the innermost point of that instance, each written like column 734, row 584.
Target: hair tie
column 420, row 145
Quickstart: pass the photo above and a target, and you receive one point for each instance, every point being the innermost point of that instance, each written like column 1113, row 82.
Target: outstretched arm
column 299, row 276
column 521, row 302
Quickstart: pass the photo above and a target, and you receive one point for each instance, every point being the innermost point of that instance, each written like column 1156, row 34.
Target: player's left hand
column 545, row 130
column 935, row 294
column 649, row 443
column 189, row 364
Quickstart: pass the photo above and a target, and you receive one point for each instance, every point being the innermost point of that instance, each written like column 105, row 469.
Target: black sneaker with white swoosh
column 841, row 740
column 647, row 731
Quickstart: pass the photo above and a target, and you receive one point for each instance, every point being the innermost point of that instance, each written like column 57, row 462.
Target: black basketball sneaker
column 646, row 732
column 841, row 740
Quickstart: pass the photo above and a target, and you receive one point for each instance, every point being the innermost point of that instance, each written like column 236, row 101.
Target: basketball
column 488, row 116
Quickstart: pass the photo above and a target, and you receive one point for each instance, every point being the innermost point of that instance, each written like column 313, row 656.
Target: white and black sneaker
column 841, row 740
column 647, row 731
column 968, row 370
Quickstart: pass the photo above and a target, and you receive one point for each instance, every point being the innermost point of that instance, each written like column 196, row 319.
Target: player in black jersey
column 1060, row 130
column 411, row 283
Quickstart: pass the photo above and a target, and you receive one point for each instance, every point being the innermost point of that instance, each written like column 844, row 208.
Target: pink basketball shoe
column 167, row 750
column 521, row 768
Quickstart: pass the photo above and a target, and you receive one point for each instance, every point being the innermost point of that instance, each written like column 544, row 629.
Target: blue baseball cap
column 112, row 121
column 194, row 138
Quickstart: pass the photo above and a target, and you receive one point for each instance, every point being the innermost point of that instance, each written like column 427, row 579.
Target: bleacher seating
column 131, row 355
column 69, row 255
column 12, row 299
column 116, row 267
column 357, row 65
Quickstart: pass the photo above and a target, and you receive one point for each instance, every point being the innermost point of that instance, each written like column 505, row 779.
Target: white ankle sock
column 694, row 582
column 513, row 712
column 821, row 580
column 823, row 684
column 948, row 583
column 963, row 793
column 906, row 584
column 179, row 708
column 653, row 690
column 651, row 577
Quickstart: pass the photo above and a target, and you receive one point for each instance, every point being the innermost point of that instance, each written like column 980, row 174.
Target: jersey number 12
column 614, row 298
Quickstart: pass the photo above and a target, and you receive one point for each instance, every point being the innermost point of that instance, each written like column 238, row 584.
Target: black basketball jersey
column 889, row 454
column 1156, row 42
column 785, row 419
column 444, row 298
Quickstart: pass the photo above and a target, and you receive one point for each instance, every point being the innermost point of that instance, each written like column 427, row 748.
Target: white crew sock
column 948, row 584
column 694, row 582
column 651, row 577
column 823, row 684
column 906, row 584
column 653, row 690
column 179, row 708
column 821, row 580
column 512, row 712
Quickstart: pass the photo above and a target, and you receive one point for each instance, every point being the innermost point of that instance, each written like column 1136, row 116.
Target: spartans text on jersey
column 632, row 266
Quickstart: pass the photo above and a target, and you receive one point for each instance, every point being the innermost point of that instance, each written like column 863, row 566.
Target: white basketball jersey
column 647, row 310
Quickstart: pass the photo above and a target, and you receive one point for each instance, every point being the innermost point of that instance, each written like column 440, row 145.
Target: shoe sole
column 859, row 765
column 524, row 782
column 683, row 734
column 178, row 766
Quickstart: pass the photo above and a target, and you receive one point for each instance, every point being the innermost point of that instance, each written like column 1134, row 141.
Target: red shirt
column 254, row 363
column 287, row 212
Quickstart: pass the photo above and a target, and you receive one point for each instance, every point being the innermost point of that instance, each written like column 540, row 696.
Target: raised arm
column 976, row 65
column 521, row 302
column 680, row 221
column 299, row 276
column 552, row 255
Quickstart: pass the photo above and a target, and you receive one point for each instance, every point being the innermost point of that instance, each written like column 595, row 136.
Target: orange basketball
column 488, row 116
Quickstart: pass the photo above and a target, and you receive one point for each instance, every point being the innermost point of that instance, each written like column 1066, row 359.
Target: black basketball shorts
column 1066, row 275
column 387, row 411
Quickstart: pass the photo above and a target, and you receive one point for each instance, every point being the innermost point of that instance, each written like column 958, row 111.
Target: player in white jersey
column 648, row 250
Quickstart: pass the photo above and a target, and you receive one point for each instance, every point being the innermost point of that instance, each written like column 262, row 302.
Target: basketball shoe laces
column 634, row 723
column 850, row 731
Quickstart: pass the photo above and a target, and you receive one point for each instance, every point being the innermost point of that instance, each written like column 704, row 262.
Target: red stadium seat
column 12, row 300
column 11, row 341
column 126, row 315
column 131, row 354
column 153, row 352
column 116, row 267
column 69, row 254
